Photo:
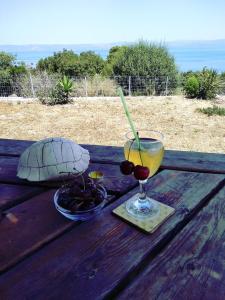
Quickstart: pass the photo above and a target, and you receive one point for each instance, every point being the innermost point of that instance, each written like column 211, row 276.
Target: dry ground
column 102, row 121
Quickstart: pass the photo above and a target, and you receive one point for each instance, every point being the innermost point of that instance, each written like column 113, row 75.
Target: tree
column 6, row 60
column 91, row 63
column 64, row 62
column 146, row 59
column 70, row 64
column 9, row 73
column 115, row 53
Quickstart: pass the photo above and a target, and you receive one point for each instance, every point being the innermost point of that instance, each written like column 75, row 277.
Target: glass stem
column 142, row 194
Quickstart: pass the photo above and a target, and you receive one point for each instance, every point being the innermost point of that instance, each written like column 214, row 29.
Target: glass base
column 142, row 209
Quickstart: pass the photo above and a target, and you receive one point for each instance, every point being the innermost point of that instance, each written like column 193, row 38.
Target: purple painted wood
column 11, row 195
column 97, row 257
column 174, row 160
column 193, row 264
column 114, row 181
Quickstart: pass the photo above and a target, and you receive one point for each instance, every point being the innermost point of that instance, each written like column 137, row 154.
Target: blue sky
column 105, row 21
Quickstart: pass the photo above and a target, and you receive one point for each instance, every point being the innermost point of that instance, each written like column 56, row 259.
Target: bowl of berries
column 80, row 202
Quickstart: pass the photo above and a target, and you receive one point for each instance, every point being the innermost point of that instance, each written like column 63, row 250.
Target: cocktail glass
column 147, row 152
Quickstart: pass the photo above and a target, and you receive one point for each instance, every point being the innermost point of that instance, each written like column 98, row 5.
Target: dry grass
column 102, row 121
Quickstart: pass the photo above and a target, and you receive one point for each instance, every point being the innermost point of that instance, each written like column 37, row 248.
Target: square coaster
column 149, row 224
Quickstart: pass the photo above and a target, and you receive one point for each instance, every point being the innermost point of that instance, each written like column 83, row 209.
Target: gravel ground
column 102, row 121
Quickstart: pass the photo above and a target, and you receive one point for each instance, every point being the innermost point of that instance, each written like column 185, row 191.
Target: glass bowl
column 80, row 215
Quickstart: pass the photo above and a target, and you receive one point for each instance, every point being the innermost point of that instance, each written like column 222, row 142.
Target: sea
column 188, row 55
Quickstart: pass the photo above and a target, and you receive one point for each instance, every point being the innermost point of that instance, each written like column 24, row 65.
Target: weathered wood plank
column 174, row 160
column 194, row 161
column 193, row 265
column 114, row 181
column 92, row 260
column 11, row 195
column 35, row 223
column 13, row 147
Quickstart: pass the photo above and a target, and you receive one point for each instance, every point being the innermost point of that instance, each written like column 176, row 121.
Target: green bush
column 202, row 85
column 59, row 94
column 222, row 83
column 148, row 60
column 210, row 111
column 6, row 83
column 9, row 74
column 115, row 54
column 191, row 87
column 209, row 84
column 70, row 64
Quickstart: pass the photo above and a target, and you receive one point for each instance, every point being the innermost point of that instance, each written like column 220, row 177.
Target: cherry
column 126, row 167
column 141, row 173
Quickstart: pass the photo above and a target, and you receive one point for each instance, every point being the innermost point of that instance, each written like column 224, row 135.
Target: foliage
column 202, row 85
column 44, row 86
column 145, row 59
column 18, row 70
column 62, row 91
column 6, row 60
column 66, row 85
column 191, row 87
column 90, row 63
column 70, row 64
column 209, row 84
column 215, row 110
column 222, row 83
column 115, row 54
column 9, row 73
column 61, row 62
column 58, row 93
column 6, row 83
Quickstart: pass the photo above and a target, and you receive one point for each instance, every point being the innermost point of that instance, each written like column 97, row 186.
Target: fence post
column 31, row 84
column 154, row 91
column 129, row 85
column 85, row 83
column 167, row 85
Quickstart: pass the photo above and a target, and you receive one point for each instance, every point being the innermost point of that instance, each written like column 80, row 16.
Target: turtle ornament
column 52, row 158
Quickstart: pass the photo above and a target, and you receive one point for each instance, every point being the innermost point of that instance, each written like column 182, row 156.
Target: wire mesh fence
column 30, row 86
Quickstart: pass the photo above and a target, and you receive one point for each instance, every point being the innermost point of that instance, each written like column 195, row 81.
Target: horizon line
column 108, row 43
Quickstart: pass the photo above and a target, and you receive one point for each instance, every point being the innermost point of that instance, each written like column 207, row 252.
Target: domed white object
column 46, row 159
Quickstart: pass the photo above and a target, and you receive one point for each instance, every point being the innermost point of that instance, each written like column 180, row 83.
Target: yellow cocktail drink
column 149, row 155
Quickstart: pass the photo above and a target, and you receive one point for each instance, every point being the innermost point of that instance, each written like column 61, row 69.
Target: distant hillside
column 86, row 47
column 189, row 55
column 58, row 47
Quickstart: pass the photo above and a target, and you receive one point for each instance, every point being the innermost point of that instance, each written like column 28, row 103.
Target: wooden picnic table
column 45, row 256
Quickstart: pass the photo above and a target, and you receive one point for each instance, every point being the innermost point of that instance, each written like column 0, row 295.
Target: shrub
column 70, row 64
column 209, row 84
column 191, row 87
column 202, row 85
column 145, row 59
column 210, row 111
column 59, row 93
column 44, row 85
column 222, row 83
column 6, row 83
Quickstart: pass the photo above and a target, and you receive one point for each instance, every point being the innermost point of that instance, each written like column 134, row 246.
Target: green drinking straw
column 120, row 93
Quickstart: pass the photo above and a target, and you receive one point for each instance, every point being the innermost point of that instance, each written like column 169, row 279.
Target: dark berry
column 141, row 173
column 126, row 167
